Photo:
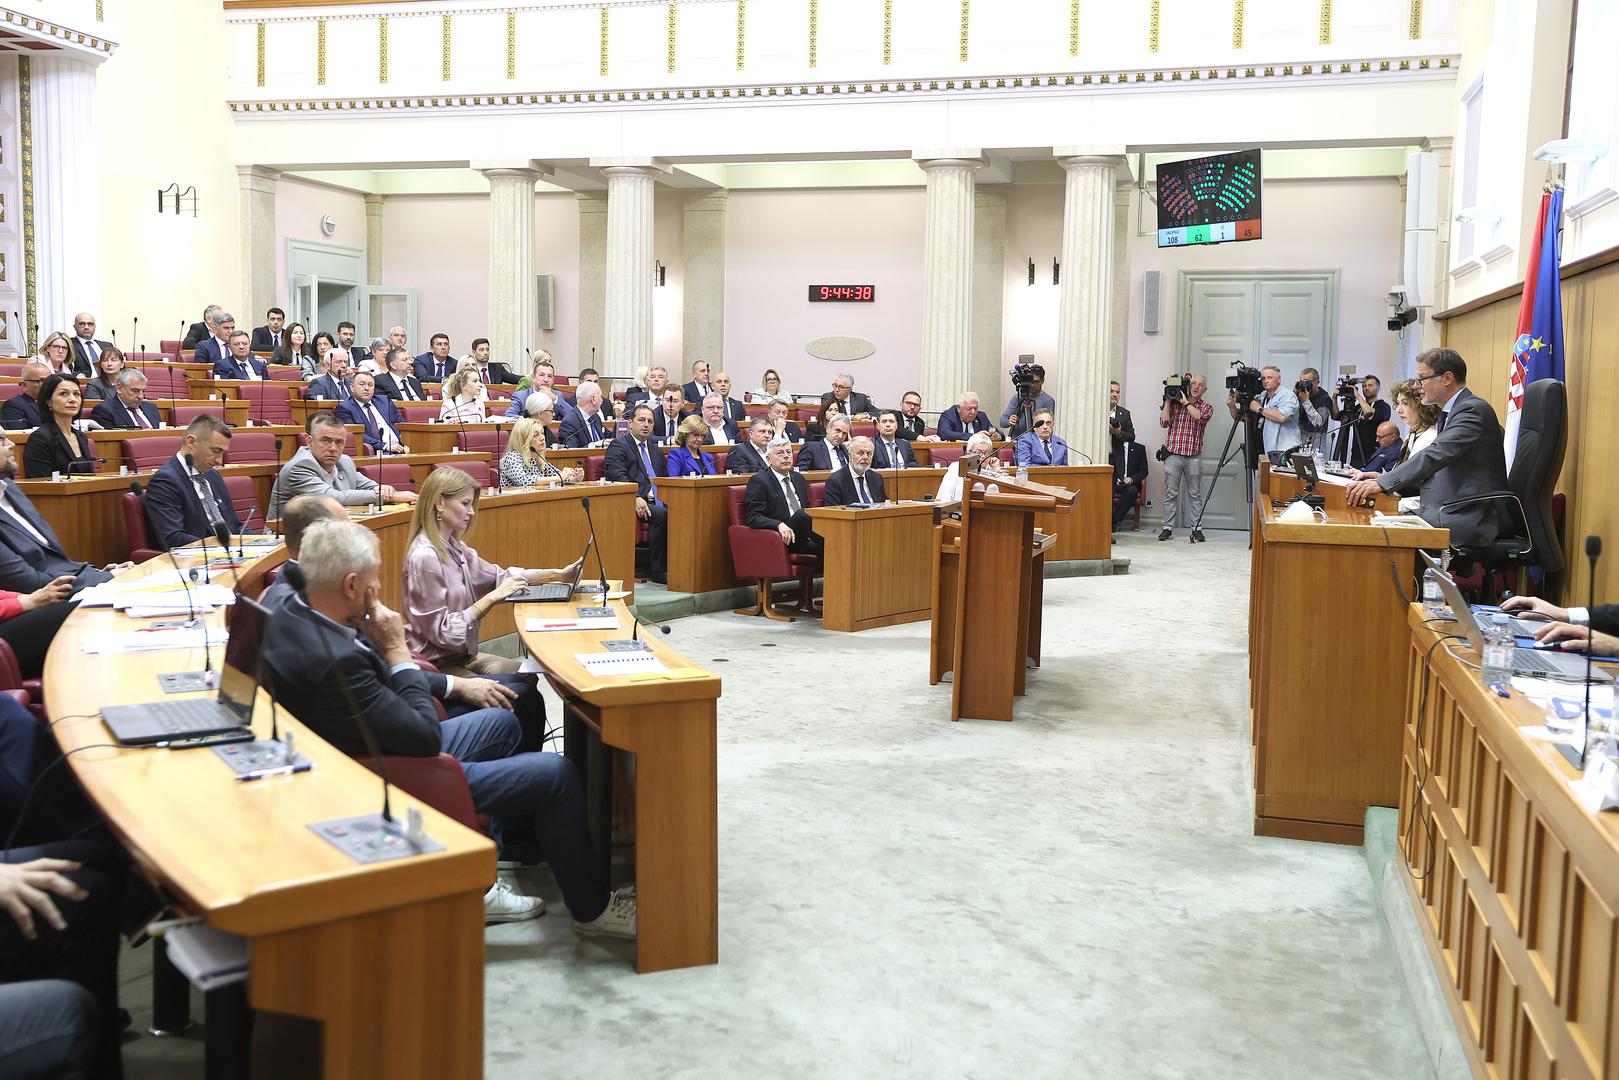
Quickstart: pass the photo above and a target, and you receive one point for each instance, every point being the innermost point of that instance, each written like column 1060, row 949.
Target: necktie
column 205, row 495
column 1442, row 418
column 1048, row 451
column 793, row 505
column 342, row 389
column 92, row 351
column 860, row 488
column 646, row 463
column 894, row 461
column 843, row 459
column 386, row 432
column 595, row 430
column 139, row 417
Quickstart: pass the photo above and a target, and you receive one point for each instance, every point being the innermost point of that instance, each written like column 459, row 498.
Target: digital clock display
column 842, row 294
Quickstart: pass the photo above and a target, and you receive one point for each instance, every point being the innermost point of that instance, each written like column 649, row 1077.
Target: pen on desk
column 285, row 770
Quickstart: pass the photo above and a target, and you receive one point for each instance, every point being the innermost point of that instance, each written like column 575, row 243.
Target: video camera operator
column 1028, row 398
column 1277, row 409
column 1184, row 416
column 1317, row 410
column 1357, row 440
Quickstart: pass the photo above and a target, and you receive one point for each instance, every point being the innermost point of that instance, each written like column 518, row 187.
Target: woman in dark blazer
column 296, row 349
column 816, row 429
column 55, row 446
column 688, row 458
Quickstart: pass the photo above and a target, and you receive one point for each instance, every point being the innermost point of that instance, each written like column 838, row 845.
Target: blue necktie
column 646, row 463
column 1443, row 416
column 595, row 432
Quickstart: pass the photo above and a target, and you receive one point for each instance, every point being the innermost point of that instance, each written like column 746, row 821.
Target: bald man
column 1386, row 455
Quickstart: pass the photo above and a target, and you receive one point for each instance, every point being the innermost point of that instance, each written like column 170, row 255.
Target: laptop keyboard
column 551, row 593
column 181, row 716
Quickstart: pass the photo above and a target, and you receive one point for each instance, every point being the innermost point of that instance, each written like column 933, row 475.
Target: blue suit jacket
column 228, row 368
column 424, row 368
column 679, row 462
column 209, row 351
column 1031, row 451
column 113, row 413
column 1384, row 459
column 623, row 465
column 951, row 429
column 325, row 388
column 174, row 510
column 576, row 431
column 349, row 411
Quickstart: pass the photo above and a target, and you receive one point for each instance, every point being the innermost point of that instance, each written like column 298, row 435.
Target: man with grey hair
column 396, row 337
column 586, row 425
column 241, row 363
column 216, row 347
column 859, row 484
column 334, row 385
column 199, row 330
column 657, row 378
column 128, row 407
column 850, row 403
column 21, row 411
column 322, row 468
column 721, row 431
column 828, row 453
column 963, row 419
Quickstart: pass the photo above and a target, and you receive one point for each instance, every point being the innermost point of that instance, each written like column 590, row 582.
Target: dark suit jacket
column 661, row 429
column 499, row 373
column 1127, row 428
column 1132, row 465
column 1605, row 618
column 195, row 333
column 349, row 412
column 881, row 460
column 424, row 367
column 791, row 432
column 763, row 504
column 113, row 413
column 174, row 510
column 736, row 412
column 20, row 411
column 841, row 491
column 1465, row 460
column 209, row 351
column 623, row 465
column 325, row 388
column 261, row 339
column 858, row 403
column 307, row 661
column 951, row 428
column 26, row 566
column 388, row 387
column 695, row 395
column 81, row 358
column 575, row 429
column 818, row 455
column 912, row 428
column 47, row 452
column 229, row 369
column 285, row 355
column 743, row 458
column 1385, row 457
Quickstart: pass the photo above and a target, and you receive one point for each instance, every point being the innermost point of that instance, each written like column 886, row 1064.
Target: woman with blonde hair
column 687, row 458
column 448, row 588
column 465, row 399
column 57, row 351
column 524, row 464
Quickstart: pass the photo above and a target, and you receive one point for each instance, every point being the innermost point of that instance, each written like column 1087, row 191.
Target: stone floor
column 1075, row 894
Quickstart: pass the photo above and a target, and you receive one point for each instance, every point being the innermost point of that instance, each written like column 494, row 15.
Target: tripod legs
column 1226, row 454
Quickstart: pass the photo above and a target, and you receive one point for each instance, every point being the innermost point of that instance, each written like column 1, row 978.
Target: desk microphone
column 241, row 539
column 222, row 534
column 207, row 672
column 274, row 486
column 134, row 336
column 87, row 464
column 584, row 501
column 1593, row 551
column 182, row 346
column 639, row 622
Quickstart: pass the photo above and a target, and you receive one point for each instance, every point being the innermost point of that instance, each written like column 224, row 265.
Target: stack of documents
column 177, row 637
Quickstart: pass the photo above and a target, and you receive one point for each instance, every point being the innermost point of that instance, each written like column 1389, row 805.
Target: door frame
column 1329, row 278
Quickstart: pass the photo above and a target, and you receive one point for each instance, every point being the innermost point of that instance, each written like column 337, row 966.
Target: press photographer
column 1362, row 412
column 1184, row 417
column 1273, row 405
column 1316, row 411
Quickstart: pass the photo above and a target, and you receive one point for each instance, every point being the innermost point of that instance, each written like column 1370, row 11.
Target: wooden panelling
column 1548, row 867
column 1590, row 998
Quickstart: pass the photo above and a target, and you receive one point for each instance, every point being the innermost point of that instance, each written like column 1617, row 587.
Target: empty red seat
column 595, row 466
column 148, row 453
column 184, row 414
column 393, row 473
column 942, row 456
column 244, row 496
column 252, row 448
column 170, row 347
column 483, row 440
column 266, row 402
column 475, row 467
column 136, row 527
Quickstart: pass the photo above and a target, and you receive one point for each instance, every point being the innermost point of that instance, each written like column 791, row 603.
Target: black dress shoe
column 658, row 578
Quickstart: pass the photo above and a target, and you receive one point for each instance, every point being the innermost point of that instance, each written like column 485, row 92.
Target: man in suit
column 963, row 419
column 912, row 427
column 753, row 454
column 1042, row 446
column 199, row 331
column 1119, row 425
column 240, row 363
column 492, row 371
column 21, row 411
column 892, row 451
column 435, row 365
column 698, row 388
column 186, row 498
column 86, row 349
column 785, row 429
column 586, row 424
column 854, row 406
column 334, row 385
column 216, row 347
column 322, row 468
column 776, row 498
column 267, row 338
column 721, row 430
column 859, row 484
column 668, row 418
column 1129, row 474
column 128, row 407
column 544, row 377
column 375, row 412
column 830, row 452
column 31, row 556
column 634, row 459
column 1466, row 459
column 1387, row 452
column 335, row 641
column 734, row 412
column 657, row 380
column 345, row 339
column 400, row 383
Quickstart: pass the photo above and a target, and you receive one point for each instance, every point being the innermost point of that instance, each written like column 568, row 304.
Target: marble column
column 627, row 296
column 703, row 296
column 1078, row 380
column 511, row 324
column 592, row 276
column 67, row 196
column 989, row 365
column 255, row 217
column 1124, row 195
column 947, row 277
column 1432, row 332
column 373, row 240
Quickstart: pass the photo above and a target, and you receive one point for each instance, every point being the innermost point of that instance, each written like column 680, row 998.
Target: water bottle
column 1498, row 646
column 1433, row 597
column 1022, row 473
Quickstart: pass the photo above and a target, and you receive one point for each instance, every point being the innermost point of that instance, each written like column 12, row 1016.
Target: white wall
column 299, row 206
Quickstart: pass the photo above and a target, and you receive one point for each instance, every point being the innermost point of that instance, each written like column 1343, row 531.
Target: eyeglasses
column 1042, row 423
column 1420, row 379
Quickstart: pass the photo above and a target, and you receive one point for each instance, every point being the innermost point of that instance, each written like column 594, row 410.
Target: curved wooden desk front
column 388, row 956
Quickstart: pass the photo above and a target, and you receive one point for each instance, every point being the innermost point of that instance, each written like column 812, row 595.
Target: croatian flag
column 1537, row 353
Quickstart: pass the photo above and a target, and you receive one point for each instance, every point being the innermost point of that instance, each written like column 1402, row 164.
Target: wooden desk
column 1327, row 664
column 669, row 725
column 1086, row 531
column 1514, row 881
column 389, row 956
column 873, row 564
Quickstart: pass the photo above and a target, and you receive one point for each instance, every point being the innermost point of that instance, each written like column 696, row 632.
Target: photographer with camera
column 1184, row 417
column 1363, row 413
column 1275, row 407
column 1119, row 424
column 1028, row 388
column 1316, row 411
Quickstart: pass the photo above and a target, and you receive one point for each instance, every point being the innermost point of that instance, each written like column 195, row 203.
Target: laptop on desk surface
column 230, row 710
column 553, row 592
column 1535, row 663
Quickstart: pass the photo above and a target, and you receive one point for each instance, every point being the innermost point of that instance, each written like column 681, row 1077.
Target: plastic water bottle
column 1433, row 597
column 1498, row 646
column 1022, row 473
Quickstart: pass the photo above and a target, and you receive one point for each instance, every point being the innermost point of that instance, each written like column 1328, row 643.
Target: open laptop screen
column 239, row 676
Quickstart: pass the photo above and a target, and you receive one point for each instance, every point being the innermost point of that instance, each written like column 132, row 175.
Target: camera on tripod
column 1246, row 382
column 1178, row 388
column 1024, row 376
column 1348, row 390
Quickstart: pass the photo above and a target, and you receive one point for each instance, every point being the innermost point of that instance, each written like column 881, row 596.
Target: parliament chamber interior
column 553, row 538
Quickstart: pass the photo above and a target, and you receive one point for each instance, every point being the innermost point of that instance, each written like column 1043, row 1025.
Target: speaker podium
column 988, row 591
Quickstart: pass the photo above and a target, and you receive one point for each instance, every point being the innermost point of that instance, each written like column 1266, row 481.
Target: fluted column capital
column 933, row 160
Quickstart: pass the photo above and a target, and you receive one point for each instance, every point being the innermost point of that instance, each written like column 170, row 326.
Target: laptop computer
column 230, row 710
column 553, row 592
column 1535, row 663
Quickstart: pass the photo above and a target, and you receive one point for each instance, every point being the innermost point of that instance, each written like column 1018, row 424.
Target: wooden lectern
column 989, row 585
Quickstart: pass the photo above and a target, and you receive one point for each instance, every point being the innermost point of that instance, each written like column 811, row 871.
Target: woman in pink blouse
column 448, row 588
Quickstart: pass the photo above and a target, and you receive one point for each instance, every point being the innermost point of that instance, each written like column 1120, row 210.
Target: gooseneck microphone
column 584, row 502
column 275, row 507
column 1593, row 551
column 134, row 336
column 241, row 538
column 639, row 622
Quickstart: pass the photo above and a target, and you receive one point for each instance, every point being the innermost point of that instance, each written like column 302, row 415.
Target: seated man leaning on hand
column 322, row 468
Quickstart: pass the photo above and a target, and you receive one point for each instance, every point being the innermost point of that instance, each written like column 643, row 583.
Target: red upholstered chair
column 266, row 402
column 595, row 466
column 251, row 448
column 868, row 430
column 140, row 358
column 475, row 467
column 27, row 694
column 720, row 457
column 483, row 440
column 149, row 453
column 760, row 554
column 170, row 347
column 393, row 473
column 11, row 371
column 184, row 414
column 141, row 546
column 417, row 412
column 10, row 390
column 285, row 372
column 244, row 496
column 942, row 456
column 1004, row 454
column 348, row 448
column 163, row 381
column 753, row 412
column 437, row 781
column 817, row 493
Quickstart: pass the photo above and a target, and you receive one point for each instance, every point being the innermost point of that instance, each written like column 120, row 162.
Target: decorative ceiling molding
column 250, row 14
column 31, row 36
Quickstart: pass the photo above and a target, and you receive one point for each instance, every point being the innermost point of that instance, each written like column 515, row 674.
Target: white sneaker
column 617, row 921
column 503, row 903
